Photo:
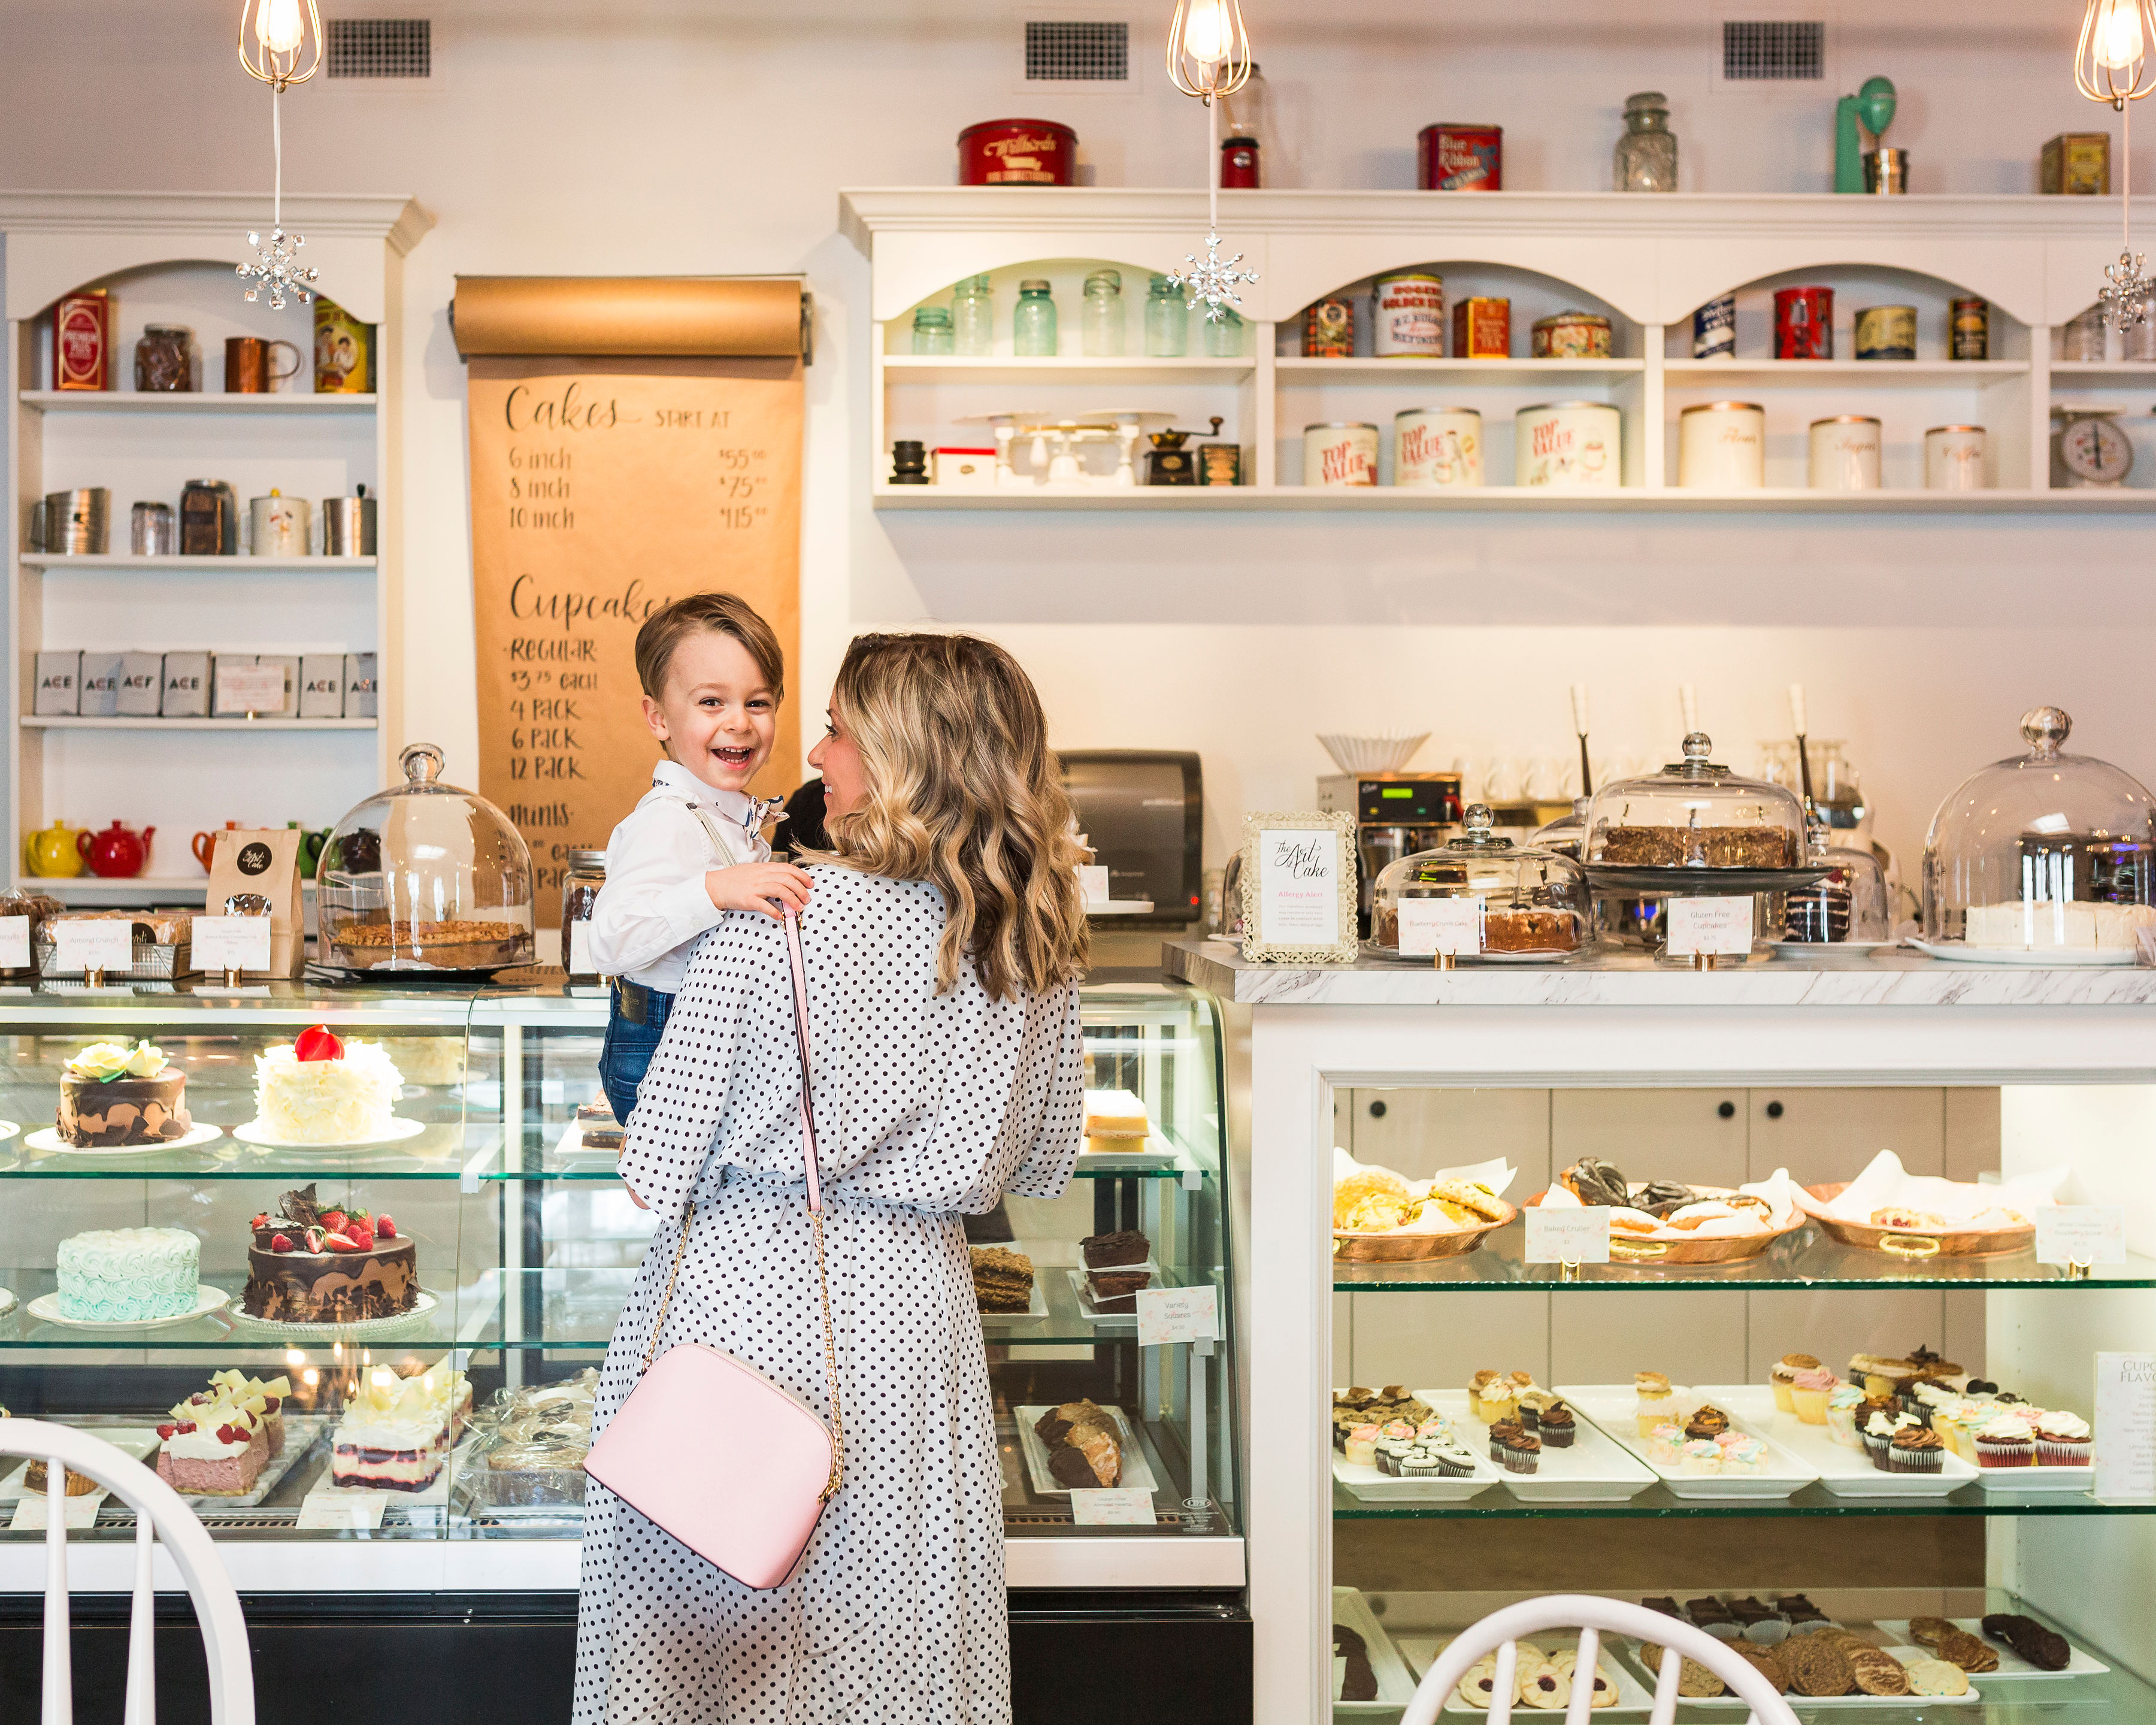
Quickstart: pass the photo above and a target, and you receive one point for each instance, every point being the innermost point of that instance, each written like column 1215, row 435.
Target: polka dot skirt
column 925, row 1107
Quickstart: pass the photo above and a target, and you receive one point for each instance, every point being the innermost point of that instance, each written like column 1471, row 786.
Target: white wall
column 579, row 137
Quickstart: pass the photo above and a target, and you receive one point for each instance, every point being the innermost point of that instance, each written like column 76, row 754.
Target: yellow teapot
column 54, row 852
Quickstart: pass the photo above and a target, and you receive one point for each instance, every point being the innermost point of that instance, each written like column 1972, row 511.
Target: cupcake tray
column 1594, row 1470
column 2083, row 1664
column 1396, row 1683
column 1909, row 1705
column 1842, row 1470
column 1612, row 1406
column 1369, row 1483
column 1421, row 1652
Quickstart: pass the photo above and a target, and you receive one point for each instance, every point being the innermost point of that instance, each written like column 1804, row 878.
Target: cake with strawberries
column 316, row 1263
column 113, row 1094
column 318, row 1089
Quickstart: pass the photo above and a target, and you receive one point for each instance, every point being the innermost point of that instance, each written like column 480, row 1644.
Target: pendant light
column 1209, row 56
column 2112, row 65
column 275, row 39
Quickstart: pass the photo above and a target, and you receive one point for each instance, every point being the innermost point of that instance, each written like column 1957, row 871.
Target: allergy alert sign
column 600, row 490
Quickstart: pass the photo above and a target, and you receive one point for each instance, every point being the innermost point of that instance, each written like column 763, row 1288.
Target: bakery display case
column 343, row 1264
column 1520, row 900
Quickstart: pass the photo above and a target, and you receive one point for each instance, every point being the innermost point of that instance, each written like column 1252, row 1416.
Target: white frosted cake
column 117, row 1275
column 318, row 1090
column 397, row 1432
column 2056, row 926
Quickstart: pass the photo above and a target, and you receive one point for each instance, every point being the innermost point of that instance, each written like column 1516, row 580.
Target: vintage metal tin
column 2076, row 164
column 1803, row 323
column 1714, row 329
column 1453, row 156
column 1568, row 443
column 1570, row 335
column 1437, row 446
column 1340, row 453
column 1018, row 152
column 278, row 525
column 1953, row 458
column 1968, row 329
column 1886, row 171
column 1887, row 332
column 1722, row 446
column 1220, row 465
column 344, row 351
column 82, row 340
column 1407, row 316
column 1328, row 329
column 1845, row 454
column 1482, row 329
column 1238, row 165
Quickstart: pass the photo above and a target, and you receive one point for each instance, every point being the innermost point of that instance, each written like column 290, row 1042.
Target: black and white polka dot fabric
column 924, row 1107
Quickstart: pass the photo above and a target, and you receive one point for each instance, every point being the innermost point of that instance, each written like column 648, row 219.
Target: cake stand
column 396, row 1325
column 46, row 1309
column 48, row 1138
column 257, row 1134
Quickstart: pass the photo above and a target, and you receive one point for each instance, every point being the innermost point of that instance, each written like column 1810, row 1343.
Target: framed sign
column 1299, row 888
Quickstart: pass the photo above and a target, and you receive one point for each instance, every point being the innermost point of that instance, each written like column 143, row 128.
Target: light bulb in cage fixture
column 1208, row 50
column 274, row 41
column 2112, row 66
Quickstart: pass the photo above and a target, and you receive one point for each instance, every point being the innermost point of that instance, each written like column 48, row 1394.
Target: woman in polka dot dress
column 944, row 936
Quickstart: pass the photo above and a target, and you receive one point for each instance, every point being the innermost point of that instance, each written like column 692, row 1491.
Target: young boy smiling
column 692, row 848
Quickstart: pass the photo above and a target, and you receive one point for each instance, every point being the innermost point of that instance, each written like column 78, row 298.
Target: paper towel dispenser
column 1143, row 812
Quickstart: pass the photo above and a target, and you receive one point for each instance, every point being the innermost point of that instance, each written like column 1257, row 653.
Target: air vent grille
column 1756, row 51
column 381, row 46
column 1066, row 51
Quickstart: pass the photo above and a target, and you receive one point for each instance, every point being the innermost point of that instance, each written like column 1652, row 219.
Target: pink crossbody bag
column 731, row 1464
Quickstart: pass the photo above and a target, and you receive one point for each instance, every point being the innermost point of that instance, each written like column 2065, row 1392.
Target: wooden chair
column 1498, row 1631
column 160, row 1514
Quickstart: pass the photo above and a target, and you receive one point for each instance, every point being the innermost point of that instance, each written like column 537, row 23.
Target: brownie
column 1361, row 1681
column 1129, row 1246
column 1117, row 1290
column 2045, row 1649
column 1749, row 1611
column 1069, row 1467
column 1003, row 1280
column 1665, row 1605
column 1683, row 847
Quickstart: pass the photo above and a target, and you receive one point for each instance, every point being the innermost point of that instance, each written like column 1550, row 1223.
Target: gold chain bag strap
column 735, row 1466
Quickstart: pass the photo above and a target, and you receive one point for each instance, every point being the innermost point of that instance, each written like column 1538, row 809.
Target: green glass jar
column 1033, row 324
column 1224, row 337
column 931, row 331
column 973, row 318
column 1167, row 321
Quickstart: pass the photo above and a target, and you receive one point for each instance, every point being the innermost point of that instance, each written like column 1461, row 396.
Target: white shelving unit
column 1646, row 263
column 168, row 258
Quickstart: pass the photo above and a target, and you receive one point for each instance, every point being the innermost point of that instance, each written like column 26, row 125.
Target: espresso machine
column 1396, row 815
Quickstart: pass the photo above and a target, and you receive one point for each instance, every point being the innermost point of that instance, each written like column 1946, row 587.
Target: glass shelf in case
column 1659, row 1503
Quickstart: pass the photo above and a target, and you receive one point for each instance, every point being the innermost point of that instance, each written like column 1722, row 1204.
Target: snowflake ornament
column 276, row 267
column 1212, row 282
column 2126, row 293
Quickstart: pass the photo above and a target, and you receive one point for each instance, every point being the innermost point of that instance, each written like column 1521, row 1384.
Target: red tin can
column 1239, row 164
column 1803, row 323
column 1018, row 152
column 1457, row 157
column 1328, row 329
column 1482, row 329
column 82, row 340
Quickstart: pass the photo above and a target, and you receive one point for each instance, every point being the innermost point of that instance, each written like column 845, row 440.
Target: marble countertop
column 1894, row 977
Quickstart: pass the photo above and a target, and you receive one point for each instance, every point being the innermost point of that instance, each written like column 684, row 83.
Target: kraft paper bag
column 264, row 860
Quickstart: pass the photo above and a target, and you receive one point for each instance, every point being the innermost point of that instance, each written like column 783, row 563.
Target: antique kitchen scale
column 1047, row 451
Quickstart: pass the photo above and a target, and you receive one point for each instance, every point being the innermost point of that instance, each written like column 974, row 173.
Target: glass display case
column 2044, row 853
column 384, row 1214
column 1533, row 903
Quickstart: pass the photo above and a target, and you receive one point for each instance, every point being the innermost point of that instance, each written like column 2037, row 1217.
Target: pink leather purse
column 732, row 1465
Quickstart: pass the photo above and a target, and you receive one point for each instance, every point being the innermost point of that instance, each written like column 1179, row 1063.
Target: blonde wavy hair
column 963, row 792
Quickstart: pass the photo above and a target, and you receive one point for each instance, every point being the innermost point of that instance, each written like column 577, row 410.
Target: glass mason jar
column 1103, row 329
column 1224, row 337
column 1647, row 153
column 1033, row 324
column 580, row 897
column 931, row 331
column 1167, row 321
column 973, row 318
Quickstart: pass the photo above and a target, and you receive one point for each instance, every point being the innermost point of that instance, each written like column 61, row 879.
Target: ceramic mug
column 204, row 845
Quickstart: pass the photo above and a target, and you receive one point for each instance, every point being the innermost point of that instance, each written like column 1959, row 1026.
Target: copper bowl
column 1716, row 1249
column 1393, row 1247
column 1956, row 1242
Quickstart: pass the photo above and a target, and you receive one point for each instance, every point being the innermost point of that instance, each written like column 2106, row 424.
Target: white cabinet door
column 1416, row 1131
column 1692, row 1136
column 1821, row 1134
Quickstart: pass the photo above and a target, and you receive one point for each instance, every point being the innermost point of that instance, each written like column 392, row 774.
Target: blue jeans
column 626, row 1052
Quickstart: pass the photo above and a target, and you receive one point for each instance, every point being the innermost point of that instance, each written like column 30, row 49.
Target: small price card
column 580, row 950
column 105, row 944
column 231, row 942
column 1168, row 1315
column 30, row 1516
column 2081, row 1234
column 1093, row 884
column 14, row 942
column 338, row 1509
column 1566, row 1236
column 2126, row 1425
column 1117, row 1507
column 1721, row 927
column 1431, row 926
column 250, row 688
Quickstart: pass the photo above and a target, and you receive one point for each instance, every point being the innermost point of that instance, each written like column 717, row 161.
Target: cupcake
column 1706, row 1421
column 1878, row 1433
column 1559, row 1427
column 1533, row 1402
column 1520, row 1451
column 1916, row 1449
column 1500, row 1403
column 1664, row 1441
column 2062, row 1441
column 1435, row 1429
column 1742, row 1455
column 1809, row 1390
column 1397, row 1429
column 1390, row 1452
column 2005, row 1441
column 1700, row 1455
column 1958, row 1428
column 1842, row 1402
column 1362, row 1449
column 1499, row 1433
column 1783, row 1369
column 1657, row 1402
column 1475, row 1385
column 1418, row 1461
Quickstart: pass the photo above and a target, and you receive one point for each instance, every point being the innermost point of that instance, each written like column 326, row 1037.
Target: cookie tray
column 1421, row 1652
column 2083, row 1664
column 1842, row 1470
column 1736, row 1706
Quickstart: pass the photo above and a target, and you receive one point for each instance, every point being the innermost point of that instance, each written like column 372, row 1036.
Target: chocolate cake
column 1695, row 847
column 1360, row 1682
column 1102, row 1251
column 1519, row 929
column 316, row 1263
column 125, row 1110
column 1117, row 1290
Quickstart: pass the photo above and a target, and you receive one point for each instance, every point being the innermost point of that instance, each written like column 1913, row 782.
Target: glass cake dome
column 1851, row 905
column 1695, row 815
column 424, row 877
column 2046, row 851
column 1535, row 902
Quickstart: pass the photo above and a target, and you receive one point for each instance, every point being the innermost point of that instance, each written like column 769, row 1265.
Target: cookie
column 1927, row 1631
column 2045, row 1649
column 1547, row 1688
column 1695, row 1681
column 1480, row 1684
column 1767, row 1663
column 1878, row 1672
column 1958, row 1647
column 1816, row 1666
column 1935, row 1677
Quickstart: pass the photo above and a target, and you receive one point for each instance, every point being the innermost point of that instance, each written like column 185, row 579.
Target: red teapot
column 118, row 852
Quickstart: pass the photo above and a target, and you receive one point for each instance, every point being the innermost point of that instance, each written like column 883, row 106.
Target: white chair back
column 159, row 1514
column 1594, row 1617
